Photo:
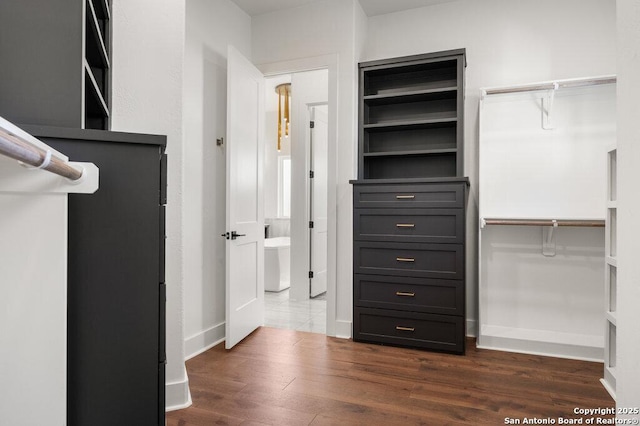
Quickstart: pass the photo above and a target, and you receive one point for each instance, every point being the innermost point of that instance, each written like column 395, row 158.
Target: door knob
column 235, row 235
column 225, row 235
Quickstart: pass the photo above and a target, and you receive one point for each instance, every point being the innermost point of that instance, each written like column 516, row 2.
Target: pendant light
column 284, row 92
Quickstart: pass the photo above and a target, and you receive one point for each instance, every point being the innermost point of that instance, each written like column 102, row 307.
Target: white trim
column 472, row 328
column 203, row 341
column 539, row 342
column 298, row 65
column 608, row 388
column 281, row 197
column 343, row 329
column 177, row 394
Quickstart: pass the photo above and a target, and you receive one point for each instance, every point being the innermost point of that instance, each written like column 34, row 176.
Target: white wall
column 211, row 25
column 628, row 375
column 148, row 46
column 506, row 43
column 325, row 28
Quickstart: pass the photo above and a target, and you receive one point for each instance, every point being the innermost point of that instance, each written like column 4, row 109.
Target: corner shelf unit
column 56, row 59
column 610, row 278
column 411, row 121
column 410, row 204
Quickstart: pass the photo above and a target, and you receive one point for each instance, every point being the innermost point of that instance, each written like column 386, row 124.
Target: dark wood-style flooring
column 284, row 377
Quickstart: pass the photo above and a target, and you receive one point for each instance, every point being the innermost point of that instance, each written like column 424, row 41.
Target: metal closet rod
column 544, row 222
column 552, row 85
column 19, row 149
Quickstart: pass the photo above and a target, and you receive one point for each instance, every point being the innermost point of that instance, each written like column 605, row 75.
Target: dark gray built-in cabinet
column 55, row 57
column 410, row 203
column 116, row 280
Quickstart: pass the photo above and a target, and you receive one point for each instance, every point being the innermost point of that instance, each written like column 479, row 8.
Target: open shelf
column 422, row 137
column 612, row 286
column 95, row 108
column 410, row 120
column 407, row 153
column 412, row 96
column 416, row 108
column 97, row 64
column 96, row 50
column 101, row 8
column 612, row 225
column 414, row 166
column 442, row 118
column 403, row 78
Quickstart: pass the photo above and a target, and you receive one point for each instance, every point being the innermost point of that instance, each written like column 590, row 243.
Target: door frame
column 311, row 216
column 329, row 62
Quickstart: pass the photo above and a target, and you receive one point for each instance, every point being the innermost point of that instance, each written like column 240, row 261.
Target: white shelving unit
column 611, row 272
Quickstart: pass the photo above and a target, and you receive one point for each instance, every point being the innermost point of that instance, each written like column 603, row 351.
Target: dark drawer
column 431, row 331
column 419, row 195
column 409, row 259
column 409, row 294
column 414, row 225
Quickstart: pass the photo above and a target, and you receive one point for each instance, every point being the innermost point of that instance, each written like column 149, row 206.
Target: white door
column 245, row 200
column 319, row 167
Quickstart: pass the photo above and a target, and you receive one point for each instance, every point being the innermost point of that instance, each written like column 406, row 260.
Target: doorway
column 295, row 188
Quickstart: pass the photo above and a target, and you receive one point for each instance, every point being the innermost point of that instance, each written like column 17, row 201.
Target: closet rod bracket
column 548, row 239
column 547, row 107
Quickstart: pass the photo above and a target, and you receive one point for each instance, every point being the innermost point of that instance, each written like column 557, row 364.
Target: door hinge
column 310, row 274
column 311, row 174
column 310, row 224
column 312, row 124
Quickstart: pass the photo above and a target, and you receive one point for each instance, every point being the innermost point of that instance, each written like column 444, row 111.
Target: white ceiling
column 370, row 7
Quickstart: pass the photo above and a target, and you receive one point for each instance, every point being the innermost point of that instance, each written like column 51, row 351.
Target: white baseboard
column 541, row 342
column 343, row 329
column 203, row 341
column 472, row 328
column 177, row 394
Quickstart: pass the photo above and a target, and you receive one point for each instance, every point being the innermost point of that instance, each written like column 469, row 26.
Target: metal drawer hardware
column 405, row 259
column 406, row 225
column 405, row 197
column 405, row 293
column 400, row 328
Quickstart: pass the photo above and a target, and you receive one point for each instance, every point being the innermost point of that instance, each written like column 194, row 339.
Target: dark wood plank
column 284, row 377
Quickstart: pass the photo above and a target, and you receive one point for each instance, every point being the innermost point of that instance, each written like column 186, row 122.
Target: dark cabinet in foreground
column 116, row 290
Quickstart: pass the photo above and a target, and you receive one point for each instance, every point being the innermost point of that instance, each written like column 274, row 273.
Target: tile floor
column 307, row 315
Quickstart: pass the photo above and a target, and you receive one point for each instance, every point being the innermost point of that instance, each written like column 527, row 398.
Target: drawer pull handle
column 405, row 259
column 405, row 293
column 405, row 225
column 405, row 197
column 400, row 328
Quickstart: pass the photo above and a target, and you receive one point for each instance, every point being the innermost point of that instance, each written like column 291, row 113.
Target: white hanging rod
column 14, row 146
column 552, row 85
column 543, row 222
